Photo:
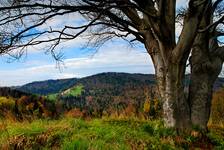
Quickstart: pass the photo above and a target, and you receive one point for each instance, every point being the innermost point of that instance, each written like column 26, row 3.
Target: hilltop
column 95, row 81
column 47, row 87
column 110, row 79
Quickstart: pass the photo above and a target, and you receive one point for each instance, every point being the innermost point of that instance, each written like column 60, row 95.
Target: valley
column 108, row 110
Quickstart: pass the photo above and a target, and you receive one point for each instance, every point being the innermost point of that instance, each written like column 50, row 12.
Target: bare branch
column 213, row 25
column 191, row 23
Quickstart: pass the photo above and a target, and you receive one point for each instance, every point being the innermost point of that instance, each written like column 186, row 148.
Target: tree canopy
column 104, row 20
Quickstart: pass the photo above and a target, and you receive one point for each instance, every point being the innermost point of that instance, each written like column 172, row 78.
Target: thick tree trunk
column 169, row 58
column 200, row 96
column 205, row 69
column 176, row 112
column 171, row 89
column 175, row 106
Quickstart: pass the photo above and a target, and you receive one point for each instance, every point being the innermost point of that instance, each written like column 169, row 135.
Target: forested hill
column 48, row 86
column 9, row 92
column 94, row 82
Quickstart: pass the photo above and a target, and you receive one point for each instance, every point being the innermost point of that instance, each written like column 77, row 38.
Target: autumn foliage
column 217, row 110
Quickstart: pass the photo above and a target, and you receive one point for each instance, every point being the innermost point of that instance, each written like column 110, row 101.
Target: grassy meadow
column 101, row 134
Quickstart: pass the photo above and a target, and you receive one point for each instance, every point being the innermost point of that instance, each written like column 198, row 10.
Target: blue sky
column 115, row 56
column 77, row 62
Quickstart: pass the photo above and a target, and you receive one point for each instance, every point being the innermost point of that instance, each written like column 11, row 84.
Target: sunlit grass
column 75, row 91
column 96, row 134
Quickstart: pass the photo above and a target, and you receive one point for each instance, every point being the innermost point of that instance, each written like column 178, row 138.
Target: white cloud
column 72, row 19
column 118, row 58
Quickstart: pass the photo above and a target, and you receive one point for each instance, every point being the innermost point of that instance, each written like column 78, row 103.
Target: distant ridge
column 9, row 92
column 47, row 86
column 112, row 79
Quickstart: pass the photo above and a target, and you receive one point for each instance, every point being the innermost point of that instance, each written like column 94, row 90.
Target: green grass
column 96, row 134
column 75, row 91
column 52, row 97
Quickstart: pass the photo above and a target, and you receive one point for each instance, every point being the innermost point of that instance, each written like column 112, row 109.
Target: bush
column 216, row 140
column 75, row 113
column 6, row 103
column 7, row 108
column 217, row 110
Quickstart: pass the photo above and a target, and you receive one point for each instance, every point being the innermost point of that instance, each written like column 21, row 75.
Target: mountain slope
column 9, row 92
column 98, row 81
column 118, row 80
column 95, row 81
column 48, row 86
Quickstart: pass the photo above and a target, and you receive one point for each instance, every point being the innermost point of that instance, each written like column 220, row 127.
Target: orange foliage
column 75, row 113
column 147, row 106
column 130, row 110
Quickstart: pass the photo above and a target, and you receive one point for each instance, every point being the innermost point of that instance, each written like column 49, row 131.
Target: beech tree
column 149, row 22
column 206, row 62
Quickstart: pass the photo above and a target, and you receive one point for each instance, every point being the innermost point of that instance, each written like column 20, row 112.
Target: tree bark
column 175, row 101
column 169, row 58
column 206, row 65
column 205, row 69
column 176, row 112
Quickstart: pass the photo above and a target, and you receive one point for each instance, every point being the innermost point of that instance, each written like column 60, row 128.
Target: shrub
column 75, row 113
column 217, row 110
column 6, row 103
column 147, row 106
column 7, row 108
